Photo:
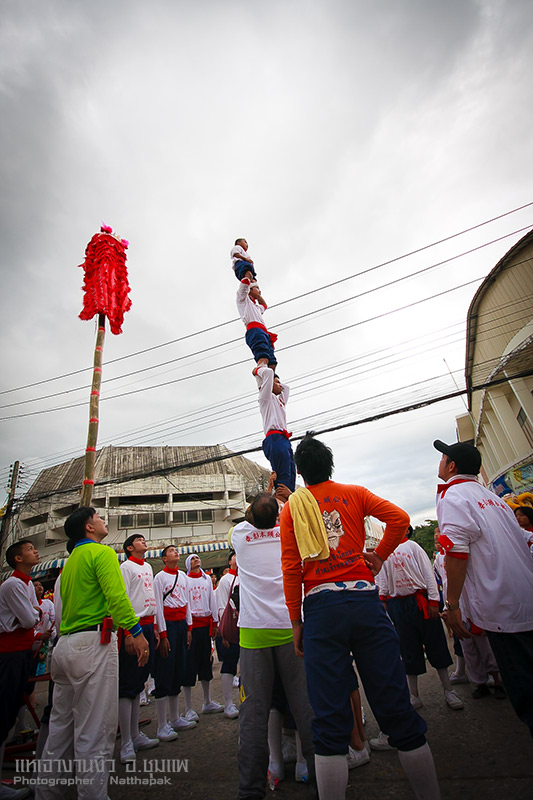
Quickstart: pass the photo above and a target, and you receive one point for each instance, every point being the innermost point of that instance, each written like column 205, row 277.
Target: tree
column 423, row 535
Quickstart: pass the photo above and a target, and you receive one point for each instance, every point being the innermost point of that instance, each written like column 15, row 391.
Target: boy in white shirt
column 204, row 622
column 251, row 307
column 139, row 579
column 273, row 396
column 242, row 264
column 175, row 625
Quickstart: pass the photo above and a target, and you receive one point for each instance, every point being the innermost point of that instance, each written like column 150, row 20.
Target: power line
column 289, row 300
column 222, row 457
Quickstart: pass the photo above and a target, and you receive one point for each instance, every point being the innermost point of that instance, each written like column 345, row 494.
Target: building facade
column 499, row 350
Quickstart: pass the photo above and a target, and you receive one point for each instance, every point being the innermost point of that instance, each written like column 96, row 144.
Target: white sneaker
column 381, row 742
column 453, row 700
column 455, row 678
column 212, row 707
column 191, row 716
column 236, row 681
column 301, row 774
column 167, row 733
column 416, row 702
column 143, row 742
column 231, row 711
column 182, row 724
column 144, row 700
column 356, row 758
column 7, row 793
column 127, row 753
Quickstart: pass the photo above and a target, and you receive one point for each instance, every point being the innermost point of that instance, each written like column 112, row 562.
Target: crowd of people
column 317, row 613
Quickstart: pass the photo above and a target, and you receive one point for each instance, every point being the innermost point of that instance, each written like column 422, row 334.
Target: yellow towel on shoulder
column 309, row 528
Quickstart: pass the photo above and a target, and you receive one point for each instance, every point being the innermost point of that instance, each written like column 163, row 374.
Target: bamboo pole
column 92, row 435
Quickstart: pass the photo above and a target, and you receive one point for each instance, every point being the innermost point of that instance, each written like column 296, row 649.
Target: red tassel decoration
column 106, row 286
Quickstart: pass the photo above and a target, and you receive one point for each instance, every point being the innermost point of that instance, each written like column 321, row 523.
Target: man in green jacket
column 84, row 717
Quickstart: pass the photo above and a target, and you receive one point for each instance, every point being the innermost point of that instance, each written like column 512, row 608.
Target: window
column 179, row 517
column 191, row 516
column 159, row 518
column 526, row 426
column 207, row 515
column 143, row 521
column 126, row 521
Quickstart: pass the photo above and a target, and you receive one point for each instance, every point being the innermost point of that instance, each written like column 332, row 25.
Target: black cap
column 467, row 457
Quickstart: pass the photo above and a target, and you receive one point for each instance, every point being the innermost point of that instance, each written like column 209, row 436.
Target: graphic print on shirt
column 334, row 529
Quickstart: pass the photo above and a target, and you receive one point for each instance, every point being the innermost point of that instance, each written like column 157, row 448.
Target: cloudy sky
column 336, row 137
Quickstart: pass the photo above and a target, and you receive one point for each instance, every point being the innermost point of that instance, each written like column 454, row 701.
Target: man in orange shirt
column 345, row 619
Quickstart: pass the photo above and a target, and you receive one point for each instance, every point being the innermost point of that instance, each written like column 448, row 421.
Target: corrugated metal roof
column 131, row 463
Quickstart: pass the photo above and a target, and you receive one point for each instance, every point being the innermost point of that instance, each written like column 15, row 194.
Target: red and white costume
column 175, row 605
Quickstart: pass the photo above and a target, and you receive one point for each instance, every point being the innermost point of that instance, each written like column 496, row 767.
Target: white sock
column 460, row 665
column 187, row 691
column 227, row 688
column 173, row 707
column 299, row 754
column 124, row 718
column 135, row 705
column 412, row 681
column 444, row 679
column 420, row 770
column 205, row 687
column 331, row 776
column 161, row 708
column 275, row 723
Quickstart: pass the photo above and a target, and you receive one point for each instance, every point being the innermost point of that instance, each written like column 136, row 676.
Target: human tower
column 273, row 394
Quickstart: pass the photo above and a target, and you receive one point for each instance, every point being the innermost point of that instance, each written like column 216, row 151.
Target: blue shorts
column 199, row 660
column 418, row 634
column 338, row 625
column 132, row 677
column 277, row 448
column 242, row 267
column 228, row 656
column 169, row 673
column 259, row 343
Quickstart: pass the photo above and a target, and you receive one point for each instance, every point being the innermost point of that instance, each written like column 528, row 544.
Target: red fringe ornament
column 106, row 286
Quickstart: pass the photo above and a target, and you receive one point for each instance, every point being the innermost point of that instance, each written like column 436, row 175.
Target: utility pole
column 10, row 500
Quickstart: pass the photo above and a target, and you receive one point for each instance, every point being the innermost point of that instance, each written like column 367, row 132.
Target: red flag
column 106, row 286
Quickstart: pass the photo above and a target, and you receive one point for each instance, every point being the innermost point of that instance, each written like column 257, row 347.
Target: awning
column 56, row 563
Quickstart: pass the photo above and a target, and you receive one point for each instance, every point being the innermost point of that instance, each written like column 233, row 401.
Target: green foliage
column 423, row 535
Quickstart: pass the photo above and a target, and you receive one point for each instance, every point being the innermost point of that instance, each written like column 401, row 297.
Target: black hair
column 129, row 541
column 15, row 550
column 314, row 460
column 164, row 550
column 526, row 511
column 265, row 510
column 230, row 555
column 70, row 545
column 410, row 531
column 75, row 523
column 240, row 239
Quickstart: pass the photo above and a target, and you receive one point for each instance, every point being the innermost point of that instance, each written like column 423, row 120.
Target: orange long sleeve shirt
column 346, row 507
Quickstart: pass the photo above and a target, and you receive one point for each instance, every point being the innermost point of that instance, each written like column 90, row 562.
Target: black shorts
column 199, row 661
column 169, row 673
column 132, row 677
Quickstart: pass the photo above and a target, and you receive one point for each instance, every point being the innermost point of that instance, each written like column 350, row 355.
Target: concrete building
column 499, row 348
column 177, row 495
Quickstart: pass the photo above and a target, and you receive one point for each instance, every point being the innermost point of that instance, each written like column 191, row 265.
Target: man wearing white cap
column 489, row 570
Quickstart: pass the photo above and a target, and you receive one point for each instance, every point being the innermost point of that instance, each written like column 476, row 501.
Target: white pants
column 479, row 658
column 83, row 722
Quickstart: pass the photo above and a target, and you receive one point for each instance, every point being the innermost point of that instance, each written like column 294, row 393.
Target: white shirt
column 407, row 570
column 202, row 597
column 238, row 253
column 222, row 591
column 248, row 310
column 58, row 605
column 271, row 406
column 139, row 580
column 498, row 588
column 440, row 566
column 17, row 605
column 47, row 621
column 262, row 602
column 178, row 597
